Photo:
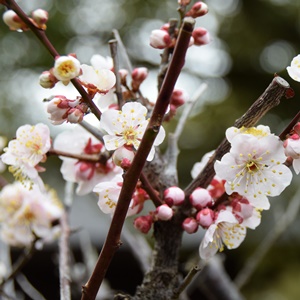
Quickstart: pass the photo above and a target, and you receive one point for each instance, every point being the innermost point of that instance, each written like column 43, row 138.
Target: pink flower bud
column 160, row 39
column 75, row 115
column 198, row 9
column 123, row 74
column 216, row 187
column 47, row 80
column 201, row 198
column 292, row 146
column 164, row 212
column 40, row 16
column 57, row 108
column 143, row 223
column 12, row 20
column 123, row 157
column 205, row 217
column 178, row 97
column 138, row 76
column 190, row 225
column 174, row 196
column 201, row 36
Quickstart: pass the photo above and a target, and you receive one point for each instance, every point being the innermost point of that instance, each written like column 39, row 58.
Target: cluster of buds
column 63, row 110
column 39, row 18
column 173, row 196
column 162, row 38
column 138, row 75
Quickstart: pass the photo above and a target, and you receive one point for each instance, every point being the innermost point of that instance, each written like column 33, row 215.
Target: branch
column 112, row 242
column 113, row 44
column 41, row 35
column 269, row 99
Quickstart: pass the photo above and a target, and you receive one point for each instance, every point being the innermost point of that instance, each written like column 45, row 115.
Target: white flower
column 294, row 69
column 109, row 193
column 254, row 168
column 66, row 68
column 85, row 174
column 101, row 62
column 27, row 150
column 224, row 231
column 27, row 214
column 100, row 79
column 259, row 131
column 127, row 127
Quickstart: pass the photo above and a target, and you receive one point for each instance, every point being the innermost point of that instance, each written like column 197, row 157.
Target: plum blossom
column 28, row 214
column 66, row 68
column 86, row 174
column 254, row 168
column 127, row 127
column 109, row 192
column 24, row 153
column 98, row 80
column 225, row 230
column 294, row 69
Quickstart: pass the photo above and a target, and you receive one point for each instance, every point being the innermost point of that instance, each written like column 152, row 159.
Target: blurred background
column 251, row 40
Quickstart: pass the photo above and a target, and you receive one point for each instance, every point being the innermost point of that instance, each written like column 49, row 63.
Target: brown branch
column 153, row 194
column 84, row 157
column 269, row 99
column 41, row 35
column 113, row 44
column 112, row 243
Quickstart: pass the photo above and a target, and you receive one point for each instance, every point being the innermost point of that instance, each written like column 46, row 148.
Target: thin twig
column 112, row 242
column 146, row 185
column 279, row 227
column 187, row 280
column 123, row 51
column 28, row 288
column 64, row 246
column 113, row 44
column 41, row 35
column 85, row 157
column 92, row 130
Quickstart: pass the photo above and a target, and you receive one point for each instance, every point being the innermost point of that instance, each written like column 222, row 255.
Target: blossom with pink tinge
column 174, row 196
column 201, row 198
column 190, row 225
column 160, row 39
column 164, row 212
column 205, row 217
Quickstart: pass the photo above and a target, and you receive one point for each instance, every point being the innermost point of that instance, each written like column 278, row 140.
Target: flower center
column 129, row 135
column 252, row 166
column 66, row 68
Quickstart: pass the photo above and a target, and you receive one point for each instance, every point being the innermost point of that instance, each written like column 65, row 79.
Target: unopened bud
column 190, row 225
column 292, row 146
column 138, row 75
column 198, row 9
column 164, row 212
column 201, row 198
column 57, row 108
column 47, row 80
column 160, row 39
column 12, row 20
column 201, row 36
column 143, row 223
column 123, row 157
column 205, row 217
column 174, row 196
column 75, row 115
column 40, row 16
column 178, row 97
column 123, row 74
